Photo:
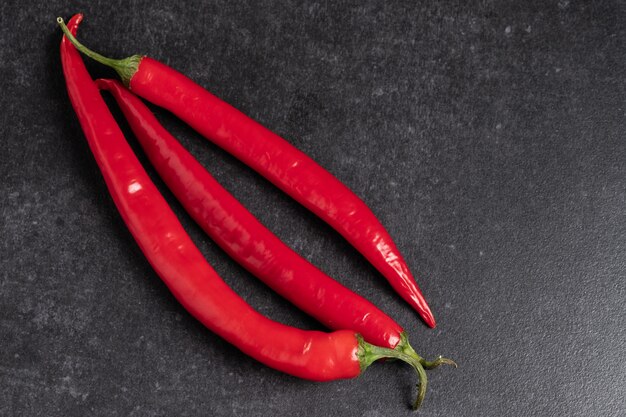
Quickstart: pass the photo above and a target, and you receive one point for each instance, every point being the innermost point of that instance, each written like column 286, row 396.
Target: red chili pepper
column 274, row 158
column 245, row 239
column 307, row 354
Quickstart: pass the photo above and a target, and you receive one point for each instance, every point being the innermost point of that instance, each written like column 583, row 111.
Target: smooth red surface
column 285, row 166
column 306, row 354
column 244, row 238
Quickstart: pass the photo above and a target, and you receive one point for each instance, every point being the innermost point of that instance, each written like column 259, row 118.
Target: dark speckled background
column 489, row 138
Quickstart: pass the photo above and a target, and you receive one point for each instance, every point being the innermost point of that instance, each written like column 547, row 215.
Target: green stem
column 369, row 354
column 405, row 347
column 437, row 362
column 125, row 68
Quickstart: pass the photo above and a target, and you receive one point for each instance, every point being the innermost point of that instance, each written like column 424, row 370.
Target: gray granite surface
column 489, row 137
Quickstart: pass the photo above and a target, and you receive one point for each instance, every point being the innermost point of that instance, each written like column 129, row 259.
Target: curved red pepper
column 312, row 355
column 244, row 238
column 277, row 160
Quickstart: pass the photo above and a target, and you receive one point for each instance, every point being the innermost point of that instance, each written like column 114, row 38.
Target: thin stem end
column 125, row 68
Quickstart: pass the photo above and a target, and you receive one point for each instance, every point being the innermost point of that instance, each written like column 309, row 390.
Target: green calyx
column 369, row 354
column 125, row 68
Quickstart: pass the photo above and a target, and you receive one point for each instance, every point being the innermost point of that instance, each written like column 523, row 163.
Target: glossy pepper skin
column 277, row 160
column 244, row 238
column 285, row 166
column 312, row 355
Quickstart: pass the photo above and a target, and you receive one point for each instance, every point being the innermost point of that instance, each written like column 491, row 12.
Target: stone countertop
column 489, row 139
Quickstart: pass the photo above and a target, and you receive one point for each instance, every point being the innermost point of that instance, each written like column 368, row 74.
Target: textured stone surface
column 489, row 138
